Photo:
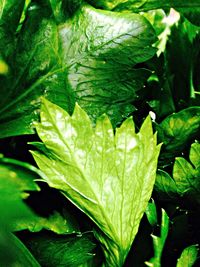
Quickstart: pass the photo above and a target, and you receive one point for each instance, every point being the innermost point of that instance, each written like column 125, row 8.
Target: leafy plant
column 99, row 63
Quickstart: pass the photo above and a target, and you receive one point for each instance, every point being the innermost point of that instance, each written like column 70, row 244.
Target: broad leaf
column 89, row 58
column 188, row 256
column 109, row 177
column 177, row 130
column 159, row 242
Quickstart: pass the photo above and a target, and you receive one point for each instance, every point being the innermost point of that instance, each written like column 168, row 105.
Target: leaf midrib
column 109, row 224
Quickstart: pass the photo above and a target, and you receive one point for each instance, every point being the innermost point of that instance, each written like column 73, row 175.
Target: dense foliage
column 99, row 139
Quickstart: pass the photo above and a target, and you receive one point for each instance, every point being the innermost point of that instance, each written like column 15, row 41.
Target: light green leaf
column 159, row 242
column 188, row 256
column 103, row 174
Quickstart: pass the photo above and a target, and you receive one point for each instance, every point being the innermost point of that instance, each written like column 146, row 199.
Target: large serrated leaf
column 109, row 177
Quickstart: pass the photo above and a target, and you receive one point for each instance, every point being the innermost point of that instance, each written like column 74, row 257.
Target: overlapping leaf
column 144, row 5
column 88, row 57
column 185, row 181
column 14, row 181
column 109, row 177
column 177, row 130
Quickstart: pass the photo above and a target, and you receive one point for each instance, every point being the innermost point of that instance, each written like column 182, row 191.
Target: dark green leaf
column 188, row 256
column 89, row 58
column 177, row 130
column 10, row 14
column 165, row 185
column 14, row 253
column 15, row 180
column 187, row 175
column 151, row 213
column 184, row 40
column 70, row 251
column 144, row 5
column 159, row 242
column 185, row 181
column 100, row 173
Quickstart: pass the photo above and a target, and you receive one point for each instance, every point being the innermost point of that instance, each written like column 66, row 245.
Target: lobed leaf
column 103, row 174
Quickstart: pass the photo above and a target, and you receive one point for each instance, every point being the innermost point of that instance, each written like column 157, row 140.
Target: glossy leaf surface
column 100, row 172
column 88, row 57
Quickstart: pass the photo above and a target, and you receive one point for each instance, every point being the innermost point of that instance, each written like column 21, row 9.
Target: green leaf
column 15, row 253
column 185, row 181
column 151, row 213
column 177, row 130
column 144, row 5
column 61, row 250
column 55, row 223
column 88, row 58
column 188, row 256
column 10, row 13
column 184, row 40
column 159, row 242
column 101, row 173
column 15, row 179
column 165, row 185
column 186, row 175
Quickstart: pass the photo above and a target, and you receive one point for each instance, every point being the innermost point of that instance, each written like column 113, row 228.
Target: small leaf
column 165, row 186
column 103, row 174
column 55, row 223
column 159, row 242
column 187, row 176
column 188, row 256
column 151, row 213
column 177, row 130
